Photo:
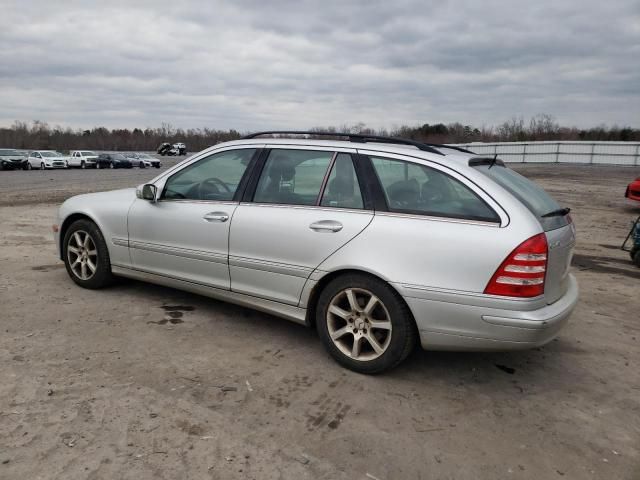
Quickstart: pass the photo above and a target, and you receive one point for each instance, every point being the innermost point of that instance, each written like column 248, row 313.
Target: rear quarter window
column 418, row 189
column 528, row 193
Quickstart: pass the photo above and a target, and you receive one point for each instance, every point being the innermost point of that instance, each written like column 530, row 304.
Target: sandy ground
column 144, row 382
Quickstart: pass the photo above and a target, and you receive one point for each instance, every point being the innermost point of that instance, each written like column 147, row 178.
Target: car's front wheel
column 86, row 256
column 42, row 166
column 364, row 324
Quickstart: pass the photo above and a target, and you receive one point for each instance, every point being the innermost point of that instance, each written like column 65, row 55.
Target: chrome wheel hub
column 82, row 255
column 359, row 324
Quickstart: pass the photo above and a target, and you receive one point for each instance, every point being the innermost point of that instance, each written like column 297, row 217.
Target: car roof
column 407, row 150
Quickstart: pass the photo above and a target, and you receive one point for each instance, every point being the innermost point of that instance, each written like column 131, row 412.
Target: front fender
column 108, row 210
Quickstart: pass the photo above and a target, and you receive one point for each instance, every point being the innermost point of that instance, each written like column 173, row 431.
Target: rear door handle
column 326, row 226
column 216, row 217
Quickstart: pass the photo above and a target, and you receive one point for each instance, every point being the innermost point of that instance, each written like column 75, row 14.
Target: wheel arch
column 67, row 223
column 314, row 295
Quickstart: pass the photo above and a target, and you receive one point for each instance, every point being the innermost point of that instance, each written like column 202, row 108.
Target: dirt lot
column 143, row 382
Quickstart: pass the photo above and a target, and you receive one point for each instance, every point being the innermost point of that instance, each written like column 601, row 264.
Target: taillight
column 523, row 272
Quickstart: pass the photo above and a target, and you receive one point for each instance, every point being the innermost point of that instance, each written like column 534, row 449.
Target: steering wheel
column 211, row 186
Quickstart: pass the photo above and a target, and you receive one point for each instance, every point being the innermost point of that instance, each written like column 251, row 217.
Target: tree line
column 39, row 135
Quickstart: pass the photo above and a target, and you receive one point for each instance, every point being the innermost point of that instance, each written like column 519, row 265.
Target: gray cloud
column 252, row 64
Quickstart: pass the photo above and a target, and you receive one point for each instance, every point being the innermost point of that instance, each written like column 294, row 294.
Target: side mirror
column 149, row 192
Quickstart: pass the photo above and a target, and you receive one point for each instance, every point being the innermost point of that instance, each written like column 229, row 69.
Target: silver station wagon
column 376, row 242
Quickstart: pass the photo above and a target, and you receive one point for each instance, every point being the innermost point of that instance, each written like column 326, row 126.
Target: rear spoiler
column 491, row 161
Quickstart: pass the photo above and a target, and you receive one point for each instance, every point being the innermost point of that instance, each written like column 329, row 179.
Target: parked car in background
column 143, row 160
column 45, row 159
column 377, row 246
column 180, row 148
column 633, row 190
column 83, row 158
column 172, row 150
column 113, row 160
column 12, row 159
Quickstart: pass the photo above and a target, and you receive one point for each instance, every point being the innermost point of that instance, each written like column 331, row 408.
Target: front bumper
column 56, row 164
column 11, row 165
column 463, row 326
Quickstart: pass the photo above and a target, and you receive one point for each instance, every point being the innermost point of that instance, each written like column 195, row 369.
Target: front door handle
column 216, row 217
column 326, row 226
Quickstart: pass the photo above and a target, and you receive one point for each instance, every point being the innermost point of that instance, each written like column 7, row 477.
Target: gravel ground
column 144, row 382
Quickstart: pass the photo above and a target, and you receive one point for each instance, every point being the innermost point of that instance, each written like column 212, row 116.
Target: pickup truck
column 83, row 159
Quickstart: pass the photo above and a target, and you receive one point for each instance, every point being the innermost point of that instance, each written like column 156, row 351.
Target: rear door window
column 531, row 195
column 292, row 177
column 418, row 189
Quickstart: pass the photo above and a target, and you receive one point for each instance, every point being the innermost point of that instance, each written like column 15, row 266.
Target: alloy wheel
column 359, row 324
column 82, row 255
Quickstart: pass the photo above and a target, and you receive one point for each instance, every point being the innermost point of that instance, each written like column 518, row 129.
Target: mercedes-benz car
column 378, row 243
column 11, row 159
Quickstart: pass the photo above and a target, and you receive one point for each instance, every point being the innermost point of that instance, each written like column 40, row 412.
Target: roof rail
column 360, row 138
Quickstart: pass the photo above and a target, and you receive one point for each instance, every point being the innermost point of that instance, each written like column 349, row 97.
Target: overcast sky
column 259, row 64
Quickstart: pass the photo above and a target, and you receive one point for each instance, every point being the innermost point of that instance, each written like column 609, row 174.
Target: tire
column 101, row 276
column 29, row 166
column 111, row 165
column 141, row 165
column 395, row 335
column 83, row 165
column 41, row 165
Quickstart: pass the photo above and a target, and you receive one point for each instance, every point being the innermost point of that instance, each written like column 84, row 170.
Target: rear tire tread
column 403, row 323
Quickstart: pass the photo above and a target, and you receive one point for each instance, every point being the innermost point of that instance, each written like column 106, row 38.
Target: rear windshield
column 531, row 195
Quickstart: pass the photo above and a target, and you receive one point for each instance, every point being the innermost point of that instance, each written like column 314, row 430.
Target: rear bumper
column 463, row 326
column 632, row 193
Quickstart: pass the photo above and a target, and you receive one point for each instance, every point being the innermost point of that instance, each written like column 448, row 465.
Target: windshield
column 118, row 156
column 6, row 152
column 51, row 154
column 531, row 195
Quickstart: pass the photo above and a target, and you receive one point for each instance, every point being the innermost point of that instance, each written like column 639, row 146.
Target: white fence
column 607, row 153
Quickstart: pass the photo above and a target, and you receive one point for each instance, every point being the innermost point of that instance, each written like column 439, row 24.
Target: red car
column 633, row 190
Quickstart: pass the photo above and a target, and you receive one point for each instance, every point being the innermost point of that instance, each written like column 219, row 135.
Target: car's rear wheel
column 86, row 256
column 364, row 324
